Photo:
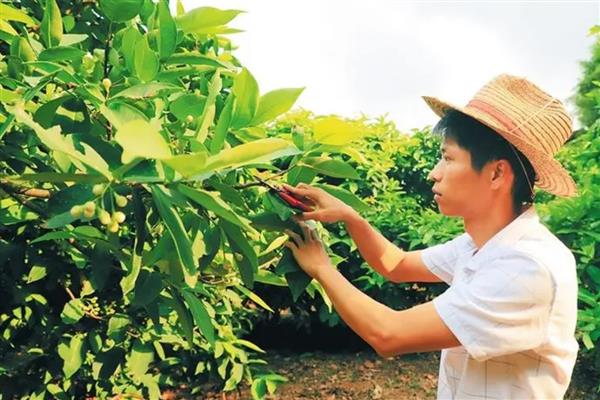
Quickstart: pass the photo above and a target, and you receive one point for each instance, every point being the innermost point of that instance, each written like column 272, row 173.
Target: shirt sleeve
column 441, row 259
column 504, row 309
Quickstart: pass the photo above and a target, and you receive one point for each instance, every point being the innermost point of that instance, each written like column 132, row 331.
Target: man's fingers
column 308, row 215
column 297, row 239
column 291, row 245
column 301, row 190
column 307, row 231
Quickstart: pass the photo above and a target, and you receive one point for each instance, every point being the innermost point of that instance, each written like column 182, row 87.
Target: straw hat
column 530, row 119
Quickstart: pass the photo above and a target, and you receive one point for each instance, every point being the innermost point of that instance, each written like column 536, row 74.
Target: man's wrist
column 351, row 217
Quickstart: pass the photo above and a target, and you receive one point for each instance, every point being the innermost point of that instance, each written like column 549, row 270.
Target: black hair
column 485, row 145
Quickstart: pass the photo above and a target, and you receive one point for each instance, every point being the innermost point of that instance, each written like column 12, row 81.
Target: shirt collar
column 511, row 232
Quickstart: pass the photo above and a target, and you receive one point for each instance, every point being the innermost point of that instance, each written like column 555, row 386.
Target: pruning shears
column 287, row 196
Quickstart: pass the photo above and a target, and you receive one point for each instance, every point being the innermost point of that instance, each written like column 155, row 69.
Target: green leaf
column 201, row 20
column 131, row 37
column 51, row 30
column 145, row 61
column 117, row 325
column 187, row 164
column 222, row 126
column 187, row 104
column 175, row 227
column 275, row 103
column 167, row 37
column 56, row 177
column 73, row 38
column 255, row 298
column 121, row 10
column 20, row 48
column 9, row 13
column 200, row 316
column 147, row 288
column 594, row 273
column 142, row 354
column 258, row 389
column 237, row 371
column 119, row 113
column 36, row 273
column 53, row 139
column 195, row 58
column 258, row 151
column 72, row 311
column 72, row 355
column 347, row 197
column 140, row 138
column 271, row 221
column 330, row 167
column 245, row 90
column 336, row 131
column 248, row 265
column 213, row 202
column 59, row 53
column 295, row 276
column 183, row 317
column 146, row 90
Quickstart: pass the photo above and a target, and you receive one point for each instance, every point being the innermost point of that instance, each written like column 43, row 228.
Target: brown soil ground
column 363, row 376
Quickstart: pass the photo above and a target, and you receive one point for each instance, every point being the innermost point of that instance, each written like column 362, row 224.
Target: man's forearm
column 381, row 254
column 365, row 316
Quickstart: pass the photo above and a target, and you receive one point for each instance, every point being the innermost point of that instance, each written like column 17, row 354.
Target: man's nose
column 434, row 175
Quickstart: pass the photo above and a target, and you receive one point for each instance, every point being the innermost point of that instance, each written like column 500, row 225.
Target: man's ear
column 500, row 172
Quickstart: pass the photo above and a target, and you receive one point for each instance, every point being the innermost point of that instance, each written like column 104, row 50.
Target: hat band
column 498, row 115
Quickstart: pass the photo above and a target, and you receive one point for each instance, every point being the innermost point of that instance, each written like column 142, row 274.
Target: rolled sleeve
column 504, row 309
column 441, row 259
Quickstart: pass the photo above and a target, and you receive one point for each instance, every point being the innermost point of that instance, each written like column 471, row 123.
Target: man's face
column 460, row 190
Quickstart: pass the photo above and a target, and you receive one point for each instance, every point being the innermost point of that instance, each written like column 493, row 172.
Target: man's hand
column 330, row 209
column 308, row 251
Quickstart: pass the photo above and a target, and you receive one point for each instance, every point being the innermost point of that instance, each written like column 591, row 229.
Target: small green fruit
column 88, row 213
column 113, row 227
column 104, row 217
column 98, row 189
column 106, row 83
column 121, row 200
column 189, row 119
column 76, row 211
column 89, row 206
column 118, row 217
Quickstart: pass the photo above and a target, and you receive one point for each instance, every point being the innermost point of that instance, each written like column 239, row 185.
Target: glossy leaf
column 222, row 127
column 53, row 139
column 121, row 10
column 138, row 362
column 245, row 90
column 145, row 61
column 275, row 103
column 258, row 151
column 201, row 20
column 213, row 202
column 336, row 131
column 167, row 30
column 201, row 316
column 139, row 138
column 176, row 230
column 331, row 167
column 51, row 30
column 72, row 355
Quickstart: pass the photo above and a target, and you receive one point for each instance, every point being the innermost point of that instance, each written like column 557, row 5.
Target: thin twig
column 25, row 191
column 89, row 314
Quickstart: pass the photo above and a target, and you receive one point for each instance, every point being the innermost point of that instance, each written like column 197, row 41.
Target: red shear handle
column 292, row 201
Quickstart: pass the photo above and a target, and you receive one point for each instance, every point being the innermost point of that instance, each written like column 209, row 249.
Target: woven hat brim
column 551, row 175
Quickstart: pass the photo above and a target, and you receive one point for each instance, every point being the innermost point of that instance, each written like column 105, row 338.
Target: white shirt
column 513, row 307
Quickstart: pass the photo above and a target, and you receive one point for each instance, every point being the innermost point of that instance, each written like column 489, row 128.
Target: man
column 506, row 323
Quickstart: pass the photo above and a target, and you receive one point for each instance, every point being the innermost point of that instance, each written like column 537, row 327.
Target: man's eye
column 446, row 158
